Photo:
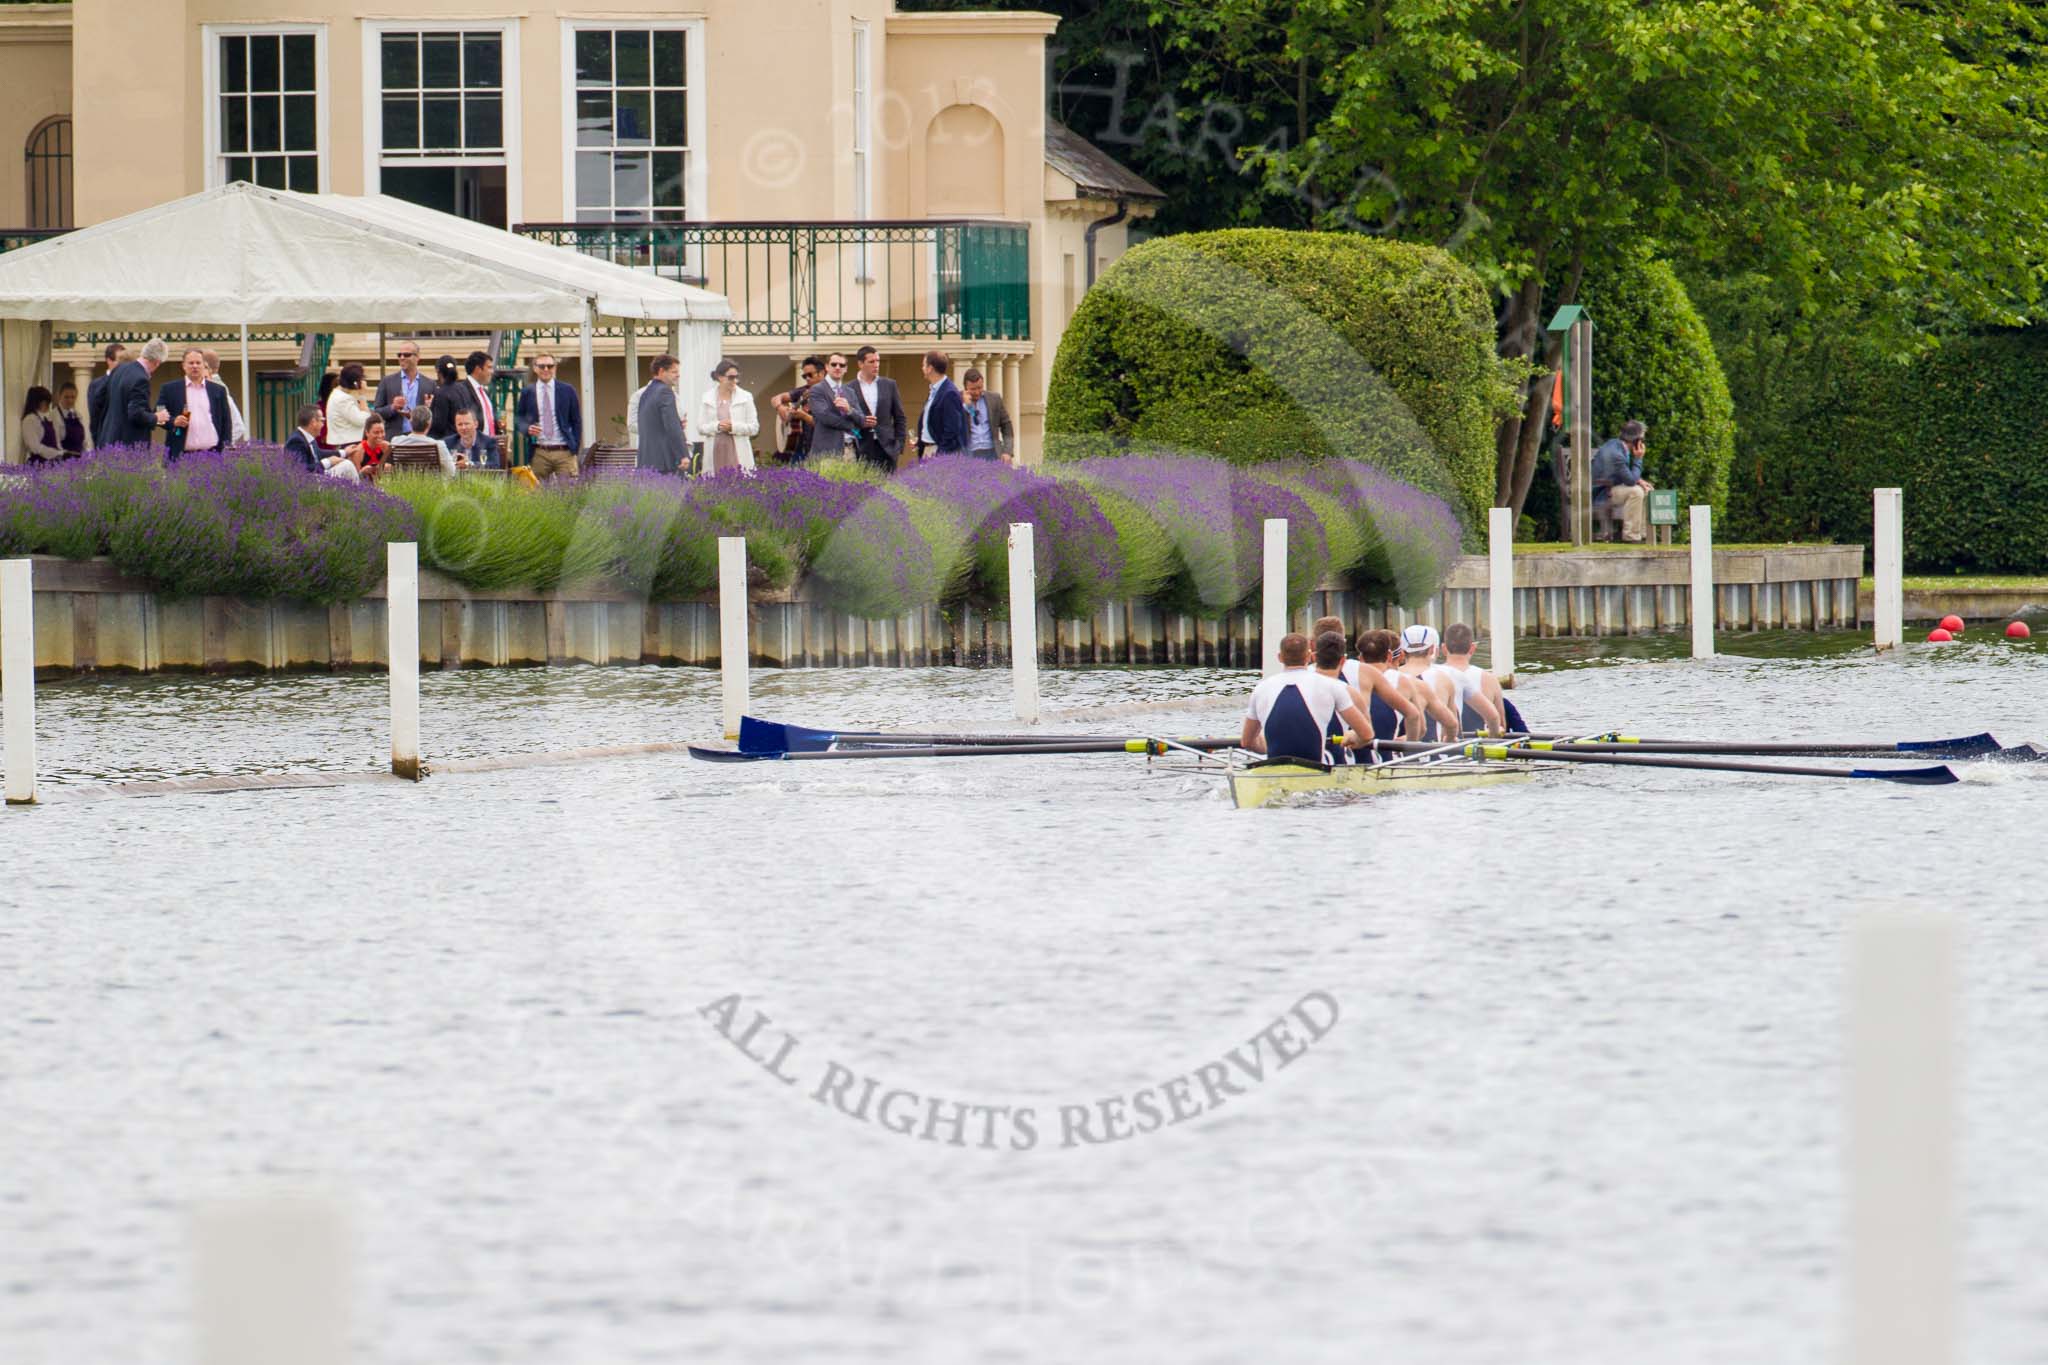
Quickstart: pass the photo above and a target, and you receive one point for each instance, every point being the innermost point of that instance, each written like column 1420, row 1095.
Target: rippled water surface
column 1581, row 1101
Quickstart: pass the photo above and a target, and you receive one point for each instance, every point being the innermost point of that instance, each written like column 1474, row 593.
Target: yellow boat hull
column 1251, row 788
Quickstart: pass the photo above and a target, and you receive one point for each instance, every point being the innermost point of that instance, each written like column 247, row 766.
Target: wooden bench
column 609, row 462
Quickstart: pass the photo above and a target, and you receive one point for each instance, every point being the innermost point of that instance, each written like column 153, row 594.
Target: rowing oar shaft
column 1916, row 776
column 1965, row 746
column 1027, row 742
column 1096, row 746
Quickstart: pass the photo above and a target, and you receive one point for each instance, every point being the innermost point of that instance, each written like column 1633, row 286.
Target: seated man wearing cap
column 1618, row 481
column 1413, row 659
column 1290, row 711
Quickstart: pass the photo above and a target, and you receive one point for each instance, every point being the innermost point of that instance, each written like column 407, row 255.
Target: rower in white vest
column 1415, row 658
column 1479, row 699
column 1290, row 711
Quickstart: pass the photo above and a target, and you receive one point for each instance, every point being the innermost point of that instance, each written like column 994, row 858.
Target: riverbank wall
column 90, row 617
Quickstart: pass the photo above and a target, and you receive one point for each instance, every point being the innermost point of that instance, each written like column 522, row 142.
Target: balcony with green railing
column 942, row 280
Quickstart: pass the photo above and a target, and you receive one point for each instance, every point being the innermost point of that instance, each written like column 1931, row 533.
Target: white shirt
column 483, row 402
column 871, row 394
column 1287, row 691
column 238, row 429
column 633, row 414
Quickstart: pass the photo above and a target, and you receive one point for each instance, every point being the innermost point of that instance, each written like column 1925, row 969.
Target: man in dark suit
column 301, row 442
column 130, row 419
column 834, row 420
column 399, row 394
column 880, row 408
column 96, row 394
column 550, row 414
column 662, row 447
column 943, row 426
column 194, row 409
column 471, row 448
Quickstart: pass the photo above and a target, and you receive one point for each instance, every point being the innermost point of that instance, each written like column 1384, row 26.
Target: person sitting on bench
column 1619, row 483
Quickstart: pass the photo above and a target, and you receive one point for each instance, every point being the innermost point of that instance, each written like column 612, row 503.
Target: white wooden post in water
column 18, row 677
column 1900, row 1157
column 1702, row 581
column 1024, row 620
column 732, row 630
column 1500, row 593
column 402, row 647
column 1888, row 565
column 1275, row 623
column 270, row 1282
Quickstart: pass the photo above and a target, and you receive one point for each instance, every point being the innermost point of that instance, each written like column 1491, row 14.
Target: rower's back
column 1295, row 706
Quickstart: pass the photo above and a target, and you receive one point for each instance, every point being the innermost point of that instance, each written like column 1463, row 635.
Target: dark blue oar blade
column 2022, row 753
column 1969, row 746
column 1919, row 777
column 711, row 755
column 1516, row 725
column 759, row 736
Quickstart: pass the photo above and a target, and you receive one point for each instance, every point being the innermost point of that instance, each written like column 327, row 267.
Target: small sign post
column 1663, row 514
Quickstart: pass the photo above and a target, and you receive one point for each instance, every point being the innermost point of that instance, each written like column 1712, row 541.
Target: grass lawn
column 1552, row 547
column 1996, row 582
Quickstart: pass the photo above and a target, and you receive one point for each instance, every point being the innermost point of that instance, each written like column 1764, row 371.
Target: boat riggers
column 1921, row 777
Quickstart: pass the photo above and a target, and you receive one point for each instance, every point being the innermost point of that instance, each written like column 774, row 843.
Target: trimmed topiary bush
column 1261, row 345
column 1963, row 431
column 1654, row 362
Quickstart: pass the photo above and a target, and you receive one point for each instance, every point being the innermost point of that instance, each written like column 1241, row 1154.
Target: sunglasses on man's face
column 545, row 365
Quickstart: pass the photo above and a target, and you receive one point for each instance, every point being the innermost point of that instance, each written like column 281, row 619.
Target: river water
column 1580, row 1099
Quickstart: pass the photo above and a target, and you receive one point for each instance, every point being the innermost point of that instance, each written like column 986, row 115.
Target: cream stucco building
column 844, row 173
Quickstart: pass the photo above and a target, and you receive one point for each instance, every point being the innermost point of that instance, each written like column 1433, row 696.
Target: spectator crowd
column 445, row 416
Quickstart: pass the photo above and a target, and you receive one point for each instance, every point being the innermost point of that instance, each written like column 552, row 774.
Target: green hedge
column 1654, row 361
column 1963, row 431
column 1261, row 345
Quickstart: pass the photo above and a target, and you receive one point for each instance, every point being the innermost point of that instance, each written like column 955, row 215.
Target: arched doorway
column 48, row 161
column 963, row 164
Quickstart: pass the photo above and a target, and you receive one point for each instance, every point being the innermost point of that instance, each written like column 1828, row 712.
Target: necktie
column 484, row 401
column 547, row 411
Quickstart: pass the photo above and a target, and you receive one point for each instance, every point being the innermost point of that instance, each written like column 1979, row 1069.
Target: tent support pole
column 586, row 373
column 248, row 413
column 6, row 435
column 632, row 361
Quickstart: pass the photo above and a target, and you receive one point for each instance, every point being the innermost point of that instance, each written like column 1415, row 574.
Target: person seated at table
column 471, row 448
column 38, row 429
column 304, row 442
column 420, row 441
column 363, row 460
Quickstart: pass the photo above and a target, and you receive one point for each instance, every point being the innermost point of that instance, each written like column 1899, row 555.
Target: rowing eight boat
column 1261, row 783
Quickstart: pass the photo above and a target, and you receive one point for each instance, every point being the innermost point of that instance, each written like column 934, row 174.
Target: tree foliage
column 1861, row 159
column 1262, row 346
column 1961, row 430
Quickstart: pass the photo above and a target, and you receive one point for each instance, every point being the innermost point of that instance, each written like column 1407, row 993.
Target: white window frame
column 511, row 108
column 696, row 175
column 863, row 87
column 209, row 37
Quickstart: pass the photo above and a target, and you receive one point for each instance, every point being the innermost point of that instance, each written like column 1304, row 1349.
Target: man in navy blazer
column 129, row 417
column 300, row 442
column 96, row 394
column 470, row 447
column 551, row 416
column 943, row 426
column 194, row 409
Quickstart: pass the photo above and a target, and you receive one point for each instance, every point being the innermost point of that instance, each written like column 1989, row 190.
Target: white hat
column 1418, row 639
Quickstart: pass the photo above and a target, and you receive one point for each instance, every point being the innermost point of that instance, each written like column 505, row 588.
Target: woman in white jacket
column 726, row 422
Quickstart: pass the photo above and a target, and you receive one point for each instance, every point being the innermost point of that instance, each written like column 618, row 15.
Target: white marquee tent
column 243, row 257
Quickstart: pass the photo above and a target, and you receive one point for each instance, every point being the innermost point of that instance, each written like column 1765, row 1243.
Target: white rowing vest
column 1294, row 709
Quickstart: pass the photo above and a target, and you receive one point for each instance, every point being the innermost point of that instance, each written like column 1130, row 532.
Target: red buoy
column 1938, row 636
column 2018, row 631
column 1953, row 624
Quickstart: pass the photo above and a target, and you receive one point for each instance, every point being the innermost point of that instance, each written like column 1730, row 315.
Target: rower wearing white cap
column 1290, row 711
column 1415, row 658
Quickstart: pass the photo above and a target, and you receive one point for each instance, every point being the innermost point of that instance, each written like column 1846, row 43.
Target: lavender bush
column 1215, row 515
column 1407, row 540
column 1079, row 564
column 251, row 522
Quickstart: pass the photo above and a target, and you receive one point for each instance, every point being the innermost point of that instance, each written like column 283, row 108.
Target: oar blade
column 2022, row 753
column 1938, row 776
column 1969, row 746
column 759, row 736
column 707, row 754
